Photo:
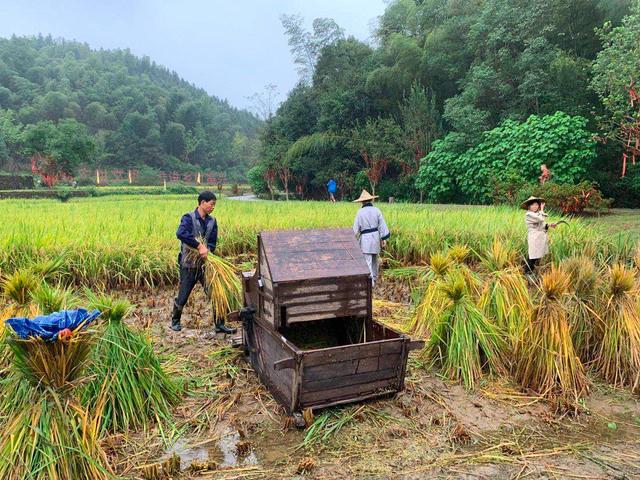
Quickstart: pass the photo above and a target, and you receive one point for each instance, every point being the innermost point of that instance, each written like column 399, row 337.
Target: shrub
column 563, row 197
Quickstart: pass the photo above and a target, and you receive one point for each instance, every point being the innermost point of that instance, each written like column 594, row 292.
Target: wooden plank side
column 340, row 306
column 350, row 392
column 348, row 380
column 270, row 349
column 343, row 296
column 263, row 265
column 328, row 285
column 351, row 367
column 311, row 317
column 349, row 352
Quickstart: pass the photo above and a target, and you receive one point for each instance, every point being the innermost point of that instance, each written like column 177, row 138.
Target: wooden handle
column 284, row 364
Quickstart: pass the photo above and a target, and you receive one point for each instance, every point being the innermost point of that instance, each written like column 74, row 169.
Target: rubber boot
column 175, row 318
column 222, row 328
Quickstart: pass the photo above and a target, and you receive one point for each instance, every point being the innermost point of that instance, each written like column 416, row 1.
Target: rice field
column 121, row 241
column 494, row 339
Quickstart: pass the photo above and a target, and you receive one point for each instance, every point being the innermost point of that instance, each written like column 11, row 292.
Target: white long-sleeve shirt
column 370, row 228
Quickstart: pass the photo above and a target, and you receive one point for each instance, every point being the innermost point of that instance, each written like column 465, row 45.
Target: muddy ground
column 229, row 426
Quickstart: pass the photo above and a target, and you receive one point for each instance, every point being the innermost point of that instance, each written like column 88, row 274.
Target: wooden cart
column 308, row 326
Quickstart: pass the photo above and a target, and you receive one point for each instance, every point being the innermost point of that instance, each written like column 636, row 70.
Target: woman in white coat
column 537, row 226
column 371, row 231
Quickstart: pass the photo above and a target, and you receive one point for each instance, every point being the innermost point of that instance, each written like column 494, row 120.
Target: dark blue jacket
column 185, row 231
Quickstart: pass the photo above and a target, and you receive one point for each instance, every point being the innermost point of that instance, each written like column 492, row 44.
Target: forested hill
column 133, row 112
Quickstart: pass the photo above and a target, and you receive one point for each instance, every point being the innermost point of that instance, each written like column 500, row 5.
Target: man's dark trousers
column 189, row 276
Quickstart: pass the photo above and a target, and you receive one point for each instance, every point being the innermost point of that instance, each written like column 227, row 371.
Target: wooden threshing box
column 308, row 329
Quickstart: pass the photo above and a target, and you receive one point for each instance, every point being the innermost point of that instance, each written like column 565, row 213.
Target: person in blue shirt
column 332, row 187
column 198, row 224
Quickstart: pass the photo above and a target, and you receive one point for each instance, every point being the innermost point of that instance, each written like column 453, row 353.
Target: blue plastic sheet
column 48, row 327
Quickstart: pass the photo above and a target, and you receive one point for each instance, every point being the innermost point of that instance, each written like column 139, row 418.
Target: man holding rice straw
column 198, row 224
column 371, row 230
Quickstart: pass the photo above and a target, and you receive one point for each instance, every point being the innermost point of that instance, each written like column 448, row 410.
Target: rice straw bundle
column 16, row 290
column 49, row 435
column 459, row 253
column 224, row 288
column 464, row 343
column 546, row 361
column 126, row 372
column 584, row 321
column 51, row 299
column 618, row 359
column 505, row 297
column 423, row 315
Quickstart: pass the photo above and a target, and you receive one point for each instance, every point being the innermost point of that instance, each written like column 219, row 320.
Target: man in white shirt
column 371, row 231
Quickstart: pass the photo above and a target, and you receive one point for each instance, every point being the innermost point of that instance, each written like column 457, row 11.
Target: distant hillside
column 134, row 112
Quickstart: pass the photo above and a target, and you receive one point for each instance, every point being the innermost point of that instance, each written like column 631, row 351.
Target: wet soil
column 229, row 427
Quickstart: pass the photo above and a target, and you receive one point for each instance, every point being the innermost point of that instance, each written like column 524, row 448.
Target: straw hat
column 365, row 197
column 529, row 201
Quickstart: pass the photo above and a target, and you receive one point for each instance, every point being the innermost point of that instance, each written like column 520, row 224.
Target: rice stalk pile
column 48, row 433
column 618, row 358
column 459, row 253
column 223, row 285
column 421, row 322
column 584, row 320
column 51, row 299
column 546, row 361
column 505, row 298
column 16, row 292
column 464, row 343
column 125, row 372
column 224, row 288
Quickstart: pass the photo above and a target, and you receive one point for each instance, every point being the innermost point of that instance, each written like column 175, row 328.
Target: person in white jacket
column 371, row 231
column 537, row 239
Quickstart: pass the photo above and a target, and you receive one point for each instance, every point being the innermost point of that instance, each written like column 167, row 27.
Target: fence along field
column 119, row 241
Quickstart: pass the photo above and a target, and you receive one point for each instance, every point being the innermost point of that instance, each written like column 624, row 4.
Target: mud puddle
column 228, row 450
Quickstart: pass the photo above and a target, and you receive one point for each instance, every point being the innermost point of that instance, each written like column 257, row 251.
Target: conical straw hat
column 529, row 201
column 365, row 197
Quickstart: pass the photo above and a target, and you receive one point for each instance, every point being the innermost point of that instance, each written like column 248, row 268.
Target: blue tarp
column 47, row 327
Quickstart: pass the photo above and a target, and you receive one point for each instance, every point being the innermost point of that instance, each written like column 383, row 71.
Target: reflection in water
column 223, row 451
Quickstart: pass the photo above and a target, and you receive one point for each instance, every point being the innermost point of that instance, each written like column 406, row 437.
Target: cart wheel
column 298, row 420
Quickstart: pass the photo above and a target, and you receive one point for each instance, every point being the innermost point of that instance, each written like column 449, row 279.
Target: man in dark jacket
column 196, row 225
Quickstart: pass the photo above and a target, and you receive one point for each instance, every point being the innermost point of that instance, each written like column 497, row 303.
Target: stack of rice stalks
column 505, row 297
column 125, row 372
column 459, row 253
column 546, row 361
column 618, row 353
column 224, row 287
column 584, row 320
column 50, row 299
column 463, row 342
column 49, row 434
column 421, row 322
column 17, row 289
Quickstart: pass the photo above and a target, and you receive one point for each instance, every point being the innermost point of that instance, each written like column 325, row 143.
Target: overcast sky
column 232, row 49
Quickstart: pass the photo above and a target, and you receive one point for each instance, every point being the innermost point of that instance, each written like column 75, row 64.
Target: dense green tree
column 560, row 141
column 67, row 143
column 616, row 67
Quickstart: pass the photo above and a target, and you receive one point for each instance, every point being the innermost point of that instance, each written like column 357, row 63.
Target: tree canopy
column 445, row 86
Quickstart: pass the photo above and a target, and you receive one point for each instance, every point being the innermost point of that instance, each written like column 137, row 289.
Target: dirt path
column 229, row 426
